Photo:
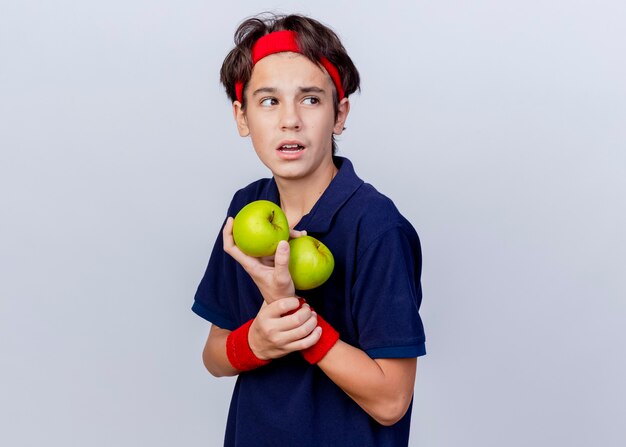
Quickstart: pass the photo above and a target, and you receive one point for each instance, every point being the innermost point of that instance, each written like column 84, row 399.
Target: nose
column 290, row 118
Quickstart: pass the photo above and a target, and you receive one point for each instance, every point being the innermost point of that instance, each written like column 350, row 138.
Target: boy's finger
column 306, row 342
column 300, row 324
column 295, row 233
column 282, row 306
column 281, row 257
column 287, row 335
column 281, row 265
column 229, row 242
column 227, row 233
column 231, row 248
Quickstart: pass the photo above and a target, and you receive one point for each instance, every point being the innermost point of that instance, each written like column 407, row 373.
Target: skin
column 290, row 98
column 282, row 106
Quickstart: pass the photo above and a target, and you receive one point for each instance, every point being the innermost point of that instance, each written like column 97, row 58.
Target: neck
column 298, row 196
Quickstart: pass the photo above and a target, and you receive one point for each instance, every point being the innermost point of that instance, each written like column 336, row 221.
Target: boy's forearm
column 214, row 354
column 382, row 387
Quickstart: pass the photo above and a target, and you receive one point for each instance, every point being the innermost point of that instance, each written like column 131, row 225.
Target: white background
column 498, row 128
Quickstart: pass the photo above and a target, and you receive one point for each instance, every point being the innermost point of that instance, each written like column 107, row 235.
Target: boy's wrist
column 327, row 340
column 253, row 342
column 239, row 352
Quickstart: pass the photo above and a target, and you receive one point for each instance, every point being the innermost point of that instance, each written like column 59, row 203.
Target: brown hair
column 315, row 41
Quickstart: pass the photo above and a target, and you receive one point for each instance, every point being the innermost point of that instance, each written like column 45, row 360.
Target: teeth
column 291, row 147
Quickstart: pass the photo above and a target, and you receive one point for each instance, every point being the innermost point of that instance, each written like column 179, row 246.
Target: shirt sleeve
column 387, row 295
column 224, row 281
column 213, row 300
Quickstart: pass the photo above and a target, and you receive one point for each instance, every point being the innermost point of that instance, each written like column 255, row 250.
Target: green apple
column 259, row 227
column 310, row 262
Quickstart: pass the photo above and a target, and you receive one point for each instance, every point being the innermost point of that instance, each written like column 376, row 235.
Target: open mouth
column 290, row 148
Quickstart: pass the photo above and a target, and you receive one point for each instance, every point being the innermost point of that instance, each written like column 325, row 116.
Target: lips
column 290, row 146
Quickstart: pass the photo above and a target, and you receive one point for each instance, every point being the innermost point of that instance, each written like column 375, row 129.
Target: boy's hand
column 274, row 334
column 270, row 274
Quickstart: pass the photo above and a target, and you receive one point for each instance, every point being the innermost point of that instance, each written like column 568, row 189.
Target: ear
column 240, row 118
column 342, row 116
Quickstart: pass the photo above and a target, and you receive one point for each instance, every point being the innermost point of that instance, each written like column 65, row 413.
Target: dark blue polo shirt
column 372, row 298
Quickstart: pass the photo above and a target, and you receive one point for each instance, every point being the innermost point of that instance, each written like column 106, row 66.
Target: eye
column 311, row 100
column 267, row 102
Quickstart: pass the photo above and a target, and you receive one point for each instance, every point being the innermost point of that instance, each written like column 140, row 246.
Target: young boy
column 332, row 366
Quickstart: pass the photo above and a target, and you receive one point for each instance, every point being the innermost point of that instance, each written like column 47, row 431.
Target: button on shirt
column 372, row 299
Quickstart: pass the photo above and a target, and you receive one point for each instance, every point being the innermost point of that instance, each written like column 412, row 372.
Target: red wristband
column 329, row 337
column 238, row 350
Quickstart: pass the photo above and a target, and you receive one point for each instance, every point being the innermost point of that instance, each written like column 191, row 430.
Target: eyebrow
column 274, row 90
column 264, row 90
column 312, row 90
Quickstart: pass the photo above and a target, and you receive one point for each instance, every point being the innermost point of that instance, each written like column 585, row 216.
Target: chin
column 289, row 174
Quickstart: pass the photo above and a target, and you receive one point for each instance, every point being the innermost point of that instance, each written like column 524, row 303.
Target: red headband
column 281, row 41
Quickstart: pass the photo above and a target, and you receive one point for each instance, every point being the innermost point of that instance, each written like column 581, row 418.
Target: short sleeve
column 213, row 300
column 226, row 295
column 217, row 296
column 387, row 295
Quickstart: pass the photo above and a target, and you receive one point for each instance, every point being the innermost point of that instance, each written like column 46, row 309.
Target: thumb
column 281, row 257
column 281, row 265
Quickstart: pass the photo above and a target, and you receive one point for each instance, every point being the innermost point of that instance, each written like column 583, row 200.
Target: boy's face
column 290, row 115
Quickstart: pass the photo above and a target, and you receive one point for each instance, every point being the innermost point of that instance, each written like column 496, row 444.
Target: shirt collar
column 341, row 188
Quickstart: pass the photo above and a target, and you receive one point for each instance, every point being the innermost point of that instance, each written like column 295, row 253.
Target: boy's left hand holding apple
column 271, row 273
column 282, row 325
